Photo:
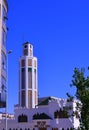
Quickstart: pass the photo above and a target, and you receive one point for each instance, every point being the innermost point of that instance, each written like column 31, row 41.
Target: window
column 29, row 62
column 22, row 118
column 23, row 63
column 29, row 77
column 35, row 78
column 3, row 61
column 29, row 98
column 30, row 52
column 4, row 15
column 25, row 46
column 23, row 78
column 34, row 63
column 61, row 114
column 23, row 98
column 30, row 69
column 25, row 52
column 3, row 84
column 30, row 46
column 3, row 37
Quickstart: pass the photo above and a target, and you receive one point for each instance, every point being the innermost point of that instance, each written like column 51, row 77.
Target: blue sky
column 59, row 32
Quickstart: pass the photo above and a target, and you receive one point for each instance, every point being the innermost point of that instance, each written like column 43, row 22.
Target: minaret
column 3, row 35
column 28, row 91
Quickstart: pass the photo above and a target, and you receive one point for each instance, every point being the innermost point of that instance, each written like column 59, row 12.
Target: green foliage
column 81, row 82
column 70, row 98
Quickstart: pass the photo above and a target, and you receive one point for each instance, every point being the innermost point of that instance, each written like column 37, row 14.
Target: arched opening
column 22, row 118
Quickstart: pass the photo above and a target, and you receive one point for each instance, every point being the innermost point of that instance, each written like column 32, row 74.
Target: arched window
column 22, row 118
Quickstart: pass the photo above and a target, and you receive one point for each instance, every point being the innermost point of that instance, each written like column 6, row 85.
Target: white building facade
column 51, row 114
column 31, row 113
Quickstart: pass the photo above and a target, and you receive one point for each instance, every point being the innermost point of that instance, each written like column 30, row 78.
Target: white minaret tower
column 28, row 91
column 3, row 35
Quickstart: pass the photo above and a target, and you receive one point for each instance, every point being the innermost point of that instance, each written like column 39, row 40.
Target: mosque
column 31, row 112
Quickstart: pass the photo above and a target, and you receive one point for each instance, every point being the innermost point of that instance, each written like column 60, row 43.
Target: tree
column 81, row 82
